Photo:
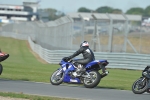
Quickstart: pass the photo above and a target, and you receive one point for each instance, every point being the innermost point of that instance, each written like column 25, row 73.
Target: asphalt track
column 69, row 91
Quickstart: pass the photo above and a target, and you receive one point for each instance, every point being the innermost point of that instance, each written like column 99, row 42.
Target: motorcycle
column 3, row 56
column 68, row 73
column 142, row 84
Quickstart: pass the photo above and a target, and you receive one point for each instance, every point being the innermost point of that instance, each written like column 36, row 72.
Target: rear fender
column 104, row 62
column 3, row 57
column 97, row 65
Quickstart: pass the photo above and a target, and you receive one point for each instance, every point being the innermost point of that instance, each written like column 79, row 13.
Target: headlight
column 144, row 73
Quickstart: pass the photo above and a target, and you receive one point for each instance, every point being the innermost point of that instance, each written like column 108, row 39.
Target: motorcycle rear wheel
column 139, row 86
column 93, row 81
column 56, row 79
column 1, row 69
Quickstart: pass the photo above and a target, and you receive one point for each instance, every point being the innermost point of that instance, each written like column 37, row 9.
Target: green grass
column 120, row 79
column 23, row 65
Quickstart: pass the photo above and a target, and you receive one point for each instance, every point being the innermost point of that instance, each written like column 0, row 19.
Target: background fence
column 104, row 32
column 116, row 60
column 120, row 39
column 113, row 32
column 51, row 35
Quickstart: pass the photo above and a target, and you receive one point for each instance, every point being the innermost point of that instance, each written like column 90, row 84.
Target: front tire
column 57, row 79
column 1, row 69
column 93, row 81
column 139, row 86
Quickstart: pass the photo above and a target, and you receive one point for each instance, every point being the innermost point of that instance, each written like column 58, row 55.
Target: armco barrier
column 116, row 60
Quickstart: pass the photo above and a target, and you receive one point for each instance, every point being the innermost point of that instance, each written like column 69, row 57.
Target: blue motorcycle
column 68, row 73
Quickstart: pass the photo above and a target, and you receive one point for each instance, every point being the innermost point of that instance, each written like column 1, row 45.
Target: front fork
column 148, row 86
column 59, row 72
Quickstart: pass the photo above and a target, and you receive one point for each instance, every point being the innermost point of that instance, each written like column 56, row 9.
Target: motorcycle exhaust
column 104, row 74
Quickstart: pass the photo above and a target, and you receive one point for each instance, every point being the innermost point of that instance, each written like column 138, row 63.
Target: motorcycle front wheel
column 57, row 77
column 139, row 86
column 93, row 80
column 1, row 69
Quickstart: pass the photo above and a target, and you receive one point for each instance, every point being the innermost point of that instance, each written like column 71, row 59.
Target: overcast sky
column 68, row 6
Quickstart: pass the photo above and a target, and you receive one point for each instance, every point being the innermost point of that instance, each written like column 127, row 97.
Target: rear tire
column 56, row 79
column 1, row 69
column 139, row 87
column 93, row 81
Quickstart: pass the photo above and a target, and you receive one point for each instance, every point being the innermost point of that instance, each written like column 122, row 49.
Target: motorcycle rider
column 87, row 53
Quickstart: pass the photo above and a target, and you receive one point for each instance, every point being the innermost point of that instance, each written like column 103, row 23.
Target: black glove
column 66, row 58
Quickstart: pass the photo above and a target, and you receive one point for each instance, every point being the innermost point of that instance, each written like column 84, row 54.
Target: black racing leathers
column 87, row 53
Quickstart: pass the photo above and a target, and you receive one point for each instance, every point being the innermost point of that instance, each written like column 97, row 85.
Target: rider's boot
column 80, row 69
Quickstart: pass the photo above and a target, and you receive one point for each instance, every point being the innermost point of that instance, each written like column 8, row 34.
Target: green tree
column 117, row 11
column 83, row 9
column 135, row 11
column 104, row 9
column 147, row 11
column 53, row 13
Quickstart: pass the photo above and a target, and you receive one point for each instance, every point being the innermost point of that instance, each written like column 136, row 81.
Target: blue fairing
column 94, row 62
column 103, row 60
column 67, row 67
column 68, row 79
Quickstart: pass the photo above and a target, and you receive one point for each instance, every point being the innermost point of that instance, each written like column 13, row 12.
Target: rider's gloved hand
column 66, row 58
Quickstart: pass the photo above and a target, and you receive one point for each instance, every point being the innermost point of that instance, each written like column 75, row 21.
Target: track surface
column 78, row 92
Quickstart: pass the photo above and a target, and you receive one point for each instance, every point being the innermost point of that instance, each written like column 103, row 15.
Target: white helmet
column 84, row 43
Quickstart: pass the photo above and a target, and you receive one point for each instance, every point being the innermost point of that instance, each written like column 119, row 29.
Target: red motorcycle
column 3, row 56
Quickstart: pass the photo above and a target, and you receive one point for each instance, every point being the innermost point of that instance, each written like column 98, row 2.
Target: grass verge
column 23, row 65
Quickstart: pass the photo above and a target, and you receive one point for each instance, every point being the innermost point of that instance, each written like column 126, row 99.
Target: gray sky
column 68, row 6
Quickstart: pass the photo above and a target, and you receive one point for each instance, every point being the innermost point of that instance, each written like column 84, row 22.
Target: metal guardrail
column 14, row 35
column 116, row 60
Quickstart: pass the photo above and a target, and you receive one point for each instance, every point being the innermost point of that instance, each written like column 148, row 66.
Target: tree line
column 54, row 14
column 105, row 9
